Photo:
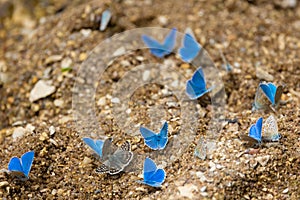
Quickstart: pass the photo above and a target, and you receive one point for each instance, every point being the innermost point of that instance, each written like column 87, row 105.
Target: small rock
column 18, row 132
column 53, row 59
column 115, row 100
column 30, row 128
column 201, row 176
column 86, row 32
column 203, row 189
column 263, row 74
column 146, row 75
column 52, row 130
column 43, row 136
column 40, row 90
column 86, row 161
column 263, row 160
column 59, row 103
column 187, row 190
column 101, row 101
column 120, row 51
column 54, row 192
column 66, row 63
column 82, row 56
column 3, row 184
column 163, row 20
column 286, row 3
column 285, row 191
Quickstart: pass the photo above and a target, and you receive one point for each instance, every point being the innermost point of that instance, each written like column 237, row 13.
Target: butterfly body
column 20, row 167
column 161, row 49
column 254, row 137
column 153, row 140
column 190, row 48
column 153, row 176
column 196, row 86
column 114, row 159
column 267, row 94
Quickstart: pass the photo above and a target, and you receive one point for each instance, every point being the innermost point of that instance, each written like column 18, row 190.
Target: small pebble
column 115, row 100
column 18, row 132
column 40, row 90
column 52, row 130
column 285, row 191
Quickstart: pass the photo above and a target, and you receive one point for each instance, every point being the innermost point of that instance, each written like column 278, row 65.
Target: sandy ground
column 258, row 38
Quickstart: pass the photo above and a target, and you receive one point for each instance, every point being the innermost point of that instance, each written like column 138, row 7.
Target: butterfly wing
column 105, row 18
column 268, row 90
column 150, row 138
column 156, row 48
column 196, row 87
column 108, row 149
column 270, row 128
column 163, row 136
column 255, row 130
column 170, row 41
column 15, row 165
column 149, row 169
column 190, row 48
column 158, row 178
column 27, row 159
column 95, row 146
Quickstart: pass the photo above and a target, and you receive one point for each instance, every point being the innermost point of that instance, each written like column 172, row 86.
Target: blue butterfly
column 270, row 130
column 254, row 138
column 20, row 167
column 106, row 15
column 267, row 93
column 196, row 86
column 152, row 176
column 158, row 49
column 95, row 145
column 190, row 48
column 153, row 140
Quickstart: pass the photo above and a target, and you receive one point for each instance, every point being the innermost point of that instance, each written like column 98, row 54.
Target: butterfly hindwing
column 27, row 160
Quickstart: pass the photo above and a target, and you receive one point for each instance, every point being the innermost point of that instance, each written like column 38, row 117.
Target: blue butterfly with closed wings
column 95, row 145
column 152, row 176
column 267, row 93
column 196, row 86
column 153, row 140
column 158, row 49
column 105, row 18
column 190, row 48
column 20, row 167
column 255, row 134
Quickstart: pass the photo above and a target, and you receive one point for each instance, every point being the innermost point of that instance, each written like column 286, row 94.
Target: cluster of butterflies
column 114, row 160
column 267, row 96
column 196, row 86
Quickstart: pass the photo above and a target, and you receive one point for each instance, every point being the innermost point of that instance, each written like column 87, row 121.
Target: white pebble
column 18, row 132
column 115, row 100
column 52, row 130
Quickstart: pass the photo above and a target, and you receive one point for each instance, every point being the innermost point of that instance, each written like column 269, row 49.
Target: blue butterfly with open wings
column 196, row 86
column 20, row 167
column 155, row 140
column 161, row 49
column 152, row 176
